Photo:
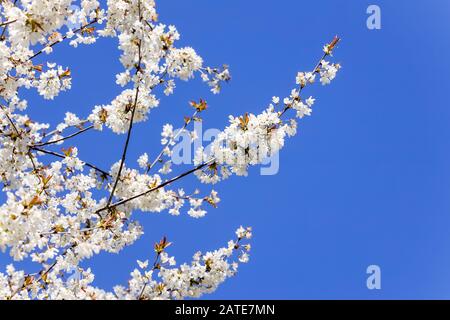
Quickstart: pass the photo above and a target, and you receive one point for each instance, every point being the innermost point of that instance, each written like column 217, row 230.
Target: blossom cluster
column 250, row 139
column 117, row 115
column 61, row 210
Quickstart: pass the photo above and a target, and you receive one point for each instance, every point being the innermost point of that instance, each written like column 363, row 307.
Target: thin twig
column 127, row 141
column 125, row 151
column 104, row 173
column 62, row 39
column 331, row 46
column 2, row 36
column 130, row 126
column 4, row 24
column 63, row 138
column 286, row 108
column 158, row 158
column 43, row 273
column 155, row 263
column 10, row 120
column 51, row 133
column 118, row 203
column 28, row 153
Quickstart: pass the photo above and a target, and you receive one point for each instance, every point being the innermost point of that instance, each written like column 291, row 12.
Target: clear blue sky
column 366, row 181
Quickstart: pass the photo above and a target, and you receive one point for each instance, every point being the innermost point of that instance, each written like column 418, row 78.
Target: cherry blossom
column 61, row 210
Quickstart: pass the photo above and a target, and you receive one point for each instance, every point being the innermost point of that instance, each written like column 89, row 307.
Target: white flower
column 51, row 82
column 310, row 101
column 59, row 210
column 143, row 161
column 166, row 168
column 182, row 63
column 123, row 78
column 142, row 264
column 48, row 50
column 196, row 213
column 170, row 86
column 167, row 134
column 240, row 232
column 117, row 115
column 71, row 119
column 328, row 72
column 244, row 257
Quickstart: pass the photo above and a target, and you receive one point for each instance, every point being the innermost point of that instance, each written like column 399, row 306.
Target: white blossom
column 182, row 63
column 61, row 211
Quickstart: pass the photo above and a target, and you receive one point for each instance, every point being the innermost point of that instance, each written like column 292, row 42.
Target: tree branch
column 62, row 39
column 127, row 141
column 63, row 138
column 201, row 166
column 7, row 23
column 104, row 173
column 10, row 120
column 315, row 70
column 118, row 203
column 158, row 158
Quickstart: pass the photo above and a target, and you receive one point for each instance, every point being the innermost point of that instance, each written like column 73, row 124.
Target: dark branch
column 63, row 138
column 162, row 185
column 104, row 173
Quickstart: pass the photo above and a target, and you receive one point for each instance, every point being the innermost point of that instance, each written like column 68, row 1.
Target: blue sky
column 366, row 180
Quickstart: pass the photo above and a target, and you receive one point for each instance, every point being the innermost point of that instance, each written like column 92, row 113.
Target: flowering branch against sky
column 61, row 210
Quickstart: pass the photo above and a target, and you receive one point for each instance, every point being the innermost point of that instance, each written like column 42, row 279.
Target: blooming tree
column 61, row 210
